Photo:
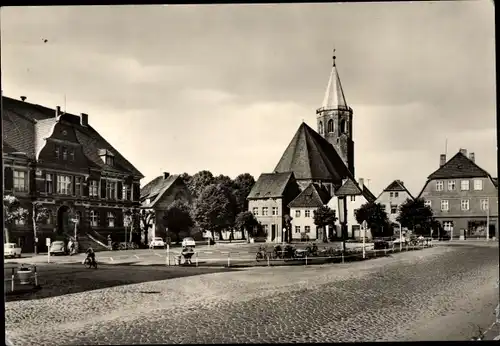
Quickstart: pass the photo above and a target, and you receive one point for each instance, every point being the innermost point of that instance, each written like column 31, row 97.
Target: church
column 311, row 172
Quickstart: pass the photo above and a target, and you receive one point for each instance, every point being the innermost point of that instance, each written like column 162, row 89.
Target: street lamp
column 342, row 218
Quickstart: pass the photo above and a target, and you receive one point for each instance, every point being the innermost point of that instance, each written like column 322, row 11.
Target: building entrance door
column 63, row 220
column 491, row 231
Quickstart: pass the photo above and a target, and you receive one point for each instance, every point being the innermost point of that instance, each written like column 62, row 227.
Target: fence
column 246, row 258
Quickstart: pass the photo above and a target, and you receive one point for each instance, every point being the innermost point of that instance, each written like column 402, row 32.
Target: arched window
column 330, row 125
column 320, row 127
column 343, row 126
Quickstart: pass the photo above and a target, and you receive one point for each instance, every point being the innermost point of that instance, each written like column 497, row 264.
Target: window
column 307, row 229
column 275, row 210
column 478, row 184
column 56, row 152
column 78, row 186
column 307, row 213
column 464, row 185
column 297, row 229
column 484, row 204
column 464, row 204
column 255, row 211
column 444, row 205
column 297, row 213
column 451, row 185
column 396, row 194
column 320, row 127
column 93, row 188
column 20, row 182
column 72, row 155
column 448, row 226
column 125, row 191
column 330, row 125
column 20, row 222
column 111, row 219
column 264, row 211
column 65, row 154
column 265, row 228
column 64, row 184
column 391, row 194
column 49, row 219
column 111, row 189
column 353, row 198
column 49, row 184
column 428, row 203
column 94, row 218
column 439, row 185
column 109, row 160
column 394, row 209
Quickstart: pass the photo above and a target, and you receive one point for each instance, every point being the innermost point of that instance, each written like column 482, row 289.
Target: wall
column 269, row 219
column 386, row 199
column 352, row 205
column 303, row 221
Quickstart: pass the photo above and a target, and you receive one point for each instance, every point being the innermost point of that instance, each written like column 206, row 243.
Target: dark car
column 380, row 244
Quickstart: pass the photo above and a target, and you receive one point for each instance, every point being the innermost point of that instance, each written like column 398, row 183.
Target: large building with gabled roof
column 463, row 197
column 61, row 161
column 392, row 197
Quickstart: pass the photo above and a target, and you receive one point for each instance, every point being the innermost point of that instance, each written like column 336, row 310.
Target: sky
column 184, row 88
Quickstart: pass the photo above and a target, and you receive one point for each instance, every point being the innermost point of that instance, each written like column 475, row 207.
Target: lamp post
column 342, row 218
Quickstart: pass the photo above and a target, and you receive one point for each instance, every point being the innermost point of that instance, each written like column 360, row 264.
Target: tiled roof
column 397, row 185
column 155, row 189
column 495, row 181
column 313, row 196
column 352, row 188
column 459, row 166
column 270, row 185
column 26, row 124
column 310, row 156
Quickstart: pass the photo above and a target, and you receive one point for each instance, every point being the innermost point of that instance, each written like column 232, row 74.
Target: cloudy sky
column 225, row 87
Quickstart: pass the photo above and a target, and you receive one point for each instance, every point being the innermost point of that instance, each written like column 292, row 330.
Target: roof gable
column 156, row 188
column 270, row 185
column 313, row 196
column 352, row 188
column 397, row 185
column 310, row 156
column 459, row 166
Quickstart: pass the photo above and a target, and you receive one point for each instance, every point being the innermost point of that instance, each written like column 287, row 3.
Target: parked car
column 58, row 248
column 156, row 242
column 188, row 242
column 380, row 244
column 11, row 250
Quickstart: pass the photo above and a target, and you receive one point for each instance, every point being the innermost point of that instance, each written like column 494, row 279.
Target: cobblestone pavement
column 440, row 293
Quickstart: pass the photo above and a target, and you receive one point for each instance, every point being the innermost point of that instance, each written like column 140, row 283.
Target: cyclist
column 90, row 255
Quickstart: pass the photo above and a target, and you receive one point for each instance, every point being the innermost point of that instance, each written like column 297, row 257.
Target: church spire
column 334, row 96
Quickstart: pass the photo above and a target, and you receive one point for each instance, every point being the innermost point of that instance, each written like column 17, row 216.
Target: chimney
column 442, row 160
column 472, row 157
column 464, row 152
column 361, row 183
column 166, row 175
column 23, row 98
column 84, row 118
column 58, row 111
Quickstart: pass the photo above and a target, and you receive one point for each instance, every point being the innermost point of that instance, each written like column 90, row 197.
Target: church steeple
column 334, row 118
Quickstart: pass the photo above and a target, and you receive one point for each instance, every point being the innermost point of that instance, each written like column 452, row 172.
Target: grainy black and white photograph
column 249, row 173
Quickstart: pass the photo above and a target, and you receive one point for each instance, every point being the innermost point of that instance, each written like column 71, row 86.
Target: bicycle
column 88, row 263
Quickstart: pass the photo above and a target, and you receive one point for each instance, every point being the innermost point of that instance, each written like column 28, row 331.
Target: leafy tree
column 215, row 208
column 288, row 226
column 12, row 212
column 186, row 178
column 415, row 215
column 247, row 223
column 243, row 183
column 224, row 180
column 199, row 181
column 132, row 218
column 324, row 216
column 178, row 217
column 39, row 215
column 376, row 218
column 146, row 221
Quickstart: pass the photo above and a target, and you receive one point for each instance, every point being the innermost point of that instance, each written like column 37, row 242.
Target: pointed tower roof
column 334, row 95
column 310, row 156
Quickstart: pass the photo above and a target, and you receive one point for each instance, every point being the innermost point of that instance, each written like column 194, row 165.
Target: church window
column 320, row 127
column 343, row 126
column 330, row 125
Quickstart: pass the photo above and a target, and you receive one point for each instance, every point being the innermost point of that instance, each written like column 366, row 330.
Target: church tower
column 334, row 119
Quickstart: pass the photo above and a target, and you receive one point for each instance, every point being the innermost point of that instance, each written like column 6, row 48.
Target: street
column 440, row 293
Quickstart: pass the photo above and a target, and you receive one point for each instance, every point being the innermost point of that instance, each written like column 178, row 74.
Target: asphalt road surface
column 440, row 293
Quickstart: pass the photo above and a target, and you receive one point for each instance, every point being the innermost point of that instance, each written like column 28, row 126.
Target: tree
column 324, row 216
column 146, row 221
column 178, row 217
column 12, row 212
column 215, row 208
column 247, row 223
column 131, row 219
column 224, row 180
column 415, row 215
column 199, row 181
column 243, row 183
column 186, row 178
column 376, row 218
column 288, row 226
column 39, row 215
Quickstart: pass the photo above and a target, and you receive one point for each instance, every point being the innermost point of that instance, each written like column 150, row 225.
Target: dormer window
column 65, row 154
column 107, row 157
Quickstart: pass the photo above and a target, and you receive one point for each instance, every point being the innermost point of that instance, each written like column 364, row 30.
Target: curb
column 22, row 291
